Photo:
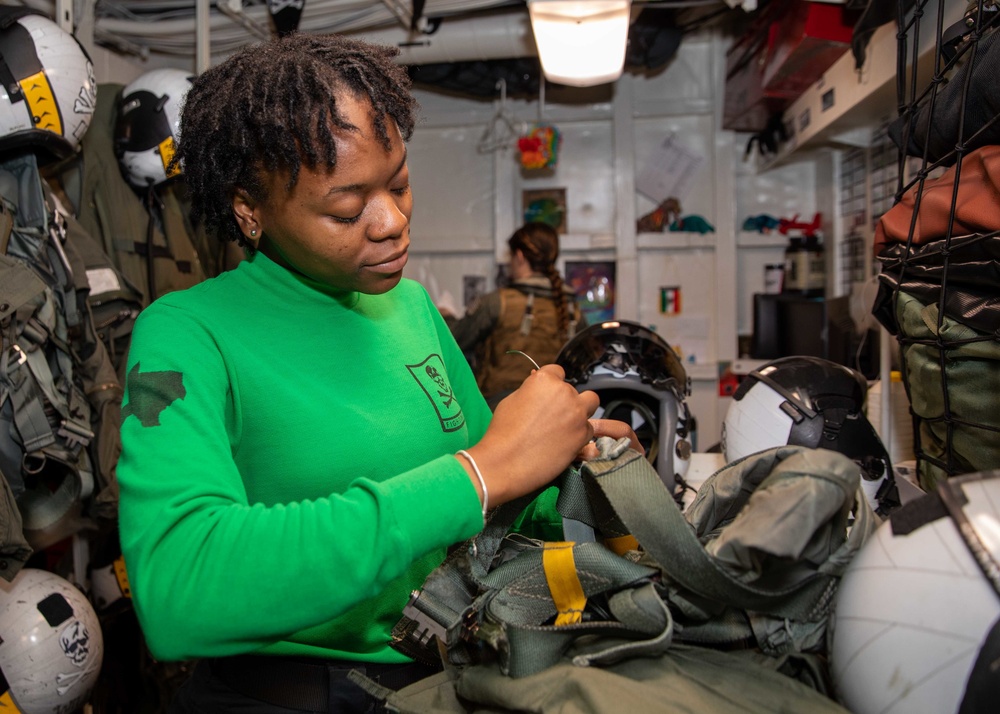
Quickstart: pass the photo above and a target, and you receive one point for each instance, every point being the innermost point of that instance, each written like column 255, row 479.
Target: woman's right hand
column 536, row 432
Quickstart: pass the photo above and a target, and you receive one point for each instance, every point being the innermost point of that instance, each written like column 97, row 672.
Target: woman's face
column 348, row 228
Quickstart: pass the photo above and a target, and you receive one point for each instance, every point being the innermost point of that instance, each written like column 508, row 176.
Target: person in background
column 536, row 314
column 302, row 437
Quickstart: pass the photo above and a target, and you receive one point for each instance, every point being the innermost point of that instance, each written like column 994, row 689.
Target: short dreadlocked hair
column 273, row 106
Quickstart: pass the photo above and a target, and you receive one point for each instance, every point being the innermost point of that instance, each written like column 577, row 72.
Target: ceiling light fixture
column 580, row 42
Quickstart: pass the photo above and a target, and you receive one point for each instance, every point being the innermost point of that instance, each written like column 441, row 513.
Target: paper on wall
column 670, row 170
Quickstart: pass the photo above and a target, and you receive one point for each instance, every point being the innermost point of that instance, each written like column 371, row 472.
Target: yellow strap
column 560, row 573
column 167, row 151
column 122, row 576
column 622, row 544
column 7, row 704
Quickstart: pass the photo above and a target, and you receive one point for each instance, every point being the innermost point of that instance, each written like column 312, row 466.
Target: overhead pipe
column 402, row 14
column 483, row 37
column 203, row 39
column 488, row 35
column 233, row 9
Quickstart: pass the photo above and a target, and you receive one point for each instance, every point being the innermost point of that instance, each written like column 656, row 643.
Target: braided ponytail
column 539, row 243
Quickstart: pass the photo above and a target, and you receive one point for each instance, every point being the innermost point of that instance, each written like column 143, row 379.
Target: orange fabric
column 977, row 204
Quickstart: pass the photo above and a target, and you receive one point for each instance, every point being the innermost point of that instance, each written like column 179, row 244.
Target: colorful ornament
column 540, row 147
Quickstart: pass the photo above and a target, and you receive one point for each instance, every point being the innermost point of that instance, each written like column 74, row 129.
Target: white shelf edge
column 752, row 239
column 674, row 240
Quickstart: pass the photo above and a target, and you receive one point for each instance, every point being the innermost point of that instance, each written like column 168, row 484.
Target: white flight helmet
column 147, row 126
column 810, row 401
column 915, row 628
column 52, row 646
column 640, row 380
column 47, row 87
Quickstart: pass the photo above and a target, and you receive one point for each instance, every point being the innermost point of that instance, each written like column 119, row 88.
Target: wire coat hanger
column 501, row 131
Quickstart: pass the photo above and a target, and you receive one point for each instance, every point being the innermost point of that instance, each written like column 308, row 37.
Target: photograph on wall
column 593, row 281
column 545, row 205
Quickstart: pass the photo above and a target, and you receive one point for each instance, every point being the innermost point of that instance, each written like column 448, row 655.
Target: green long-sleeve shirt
column 287, row 474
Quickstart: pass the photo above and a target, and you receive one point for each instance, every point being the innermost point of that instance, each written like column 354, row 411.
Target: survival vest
column 527, row 323
column 129, row 231
column 60, row 397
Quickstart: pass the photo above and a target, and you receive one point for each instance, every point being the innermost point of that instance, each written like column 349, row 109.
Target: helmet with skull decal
column 52, row 646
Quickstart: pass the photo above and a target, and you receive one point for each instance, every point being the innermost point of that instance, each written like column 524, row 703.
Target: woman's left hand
column 616, row 430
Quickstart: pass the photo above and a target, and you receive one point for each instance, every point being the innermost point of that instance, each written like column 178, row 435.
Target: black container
column 805, row 267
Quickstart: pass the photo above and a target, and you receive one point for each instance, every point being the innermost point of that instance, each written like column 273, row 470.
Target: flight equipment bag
column 752, row 565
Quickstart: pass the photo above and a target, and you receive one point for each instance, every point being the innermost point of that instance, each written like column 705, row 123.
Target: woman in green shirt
column 302, row 437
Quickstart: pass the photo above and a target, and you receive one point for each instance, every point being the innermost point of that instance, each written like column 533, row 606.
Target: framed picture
column 545, row 205
column 593, row 281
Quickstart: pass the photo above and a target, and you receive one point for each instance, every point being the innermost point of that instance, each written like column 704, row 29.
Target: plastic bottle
column 805, row 267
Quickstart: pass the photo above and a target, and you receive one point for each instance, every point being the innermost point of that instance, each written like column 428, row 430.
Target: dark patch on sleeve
column 149, row 393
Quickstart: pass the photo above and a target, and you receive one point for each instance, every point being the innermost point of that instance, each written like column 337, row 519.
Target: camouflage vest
column 528, row 322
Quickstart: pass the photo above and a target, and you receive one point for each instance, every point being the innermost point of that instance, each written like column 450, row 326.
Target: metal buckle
column 426, row 626
column 470, row 625
column 75, row 435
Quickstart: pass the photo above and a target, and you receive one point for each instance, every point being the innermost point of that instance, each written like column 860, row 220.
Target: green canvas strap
column 440, row 608
column 519, row 600
column 6, row 226
column 469, row 598
column 496, row 590
column 633, row 493
column 20, row 287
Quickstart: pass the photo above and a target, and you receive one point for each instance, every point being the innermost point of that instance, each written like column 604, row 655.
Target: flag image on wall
column 670, row 300
column 285, row 14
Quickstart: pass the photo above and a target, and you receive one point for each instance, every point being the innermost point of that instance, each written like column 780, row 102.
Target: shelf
column 586, row 241
column 675, row 240
column 841, row 108
column 753, row 239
